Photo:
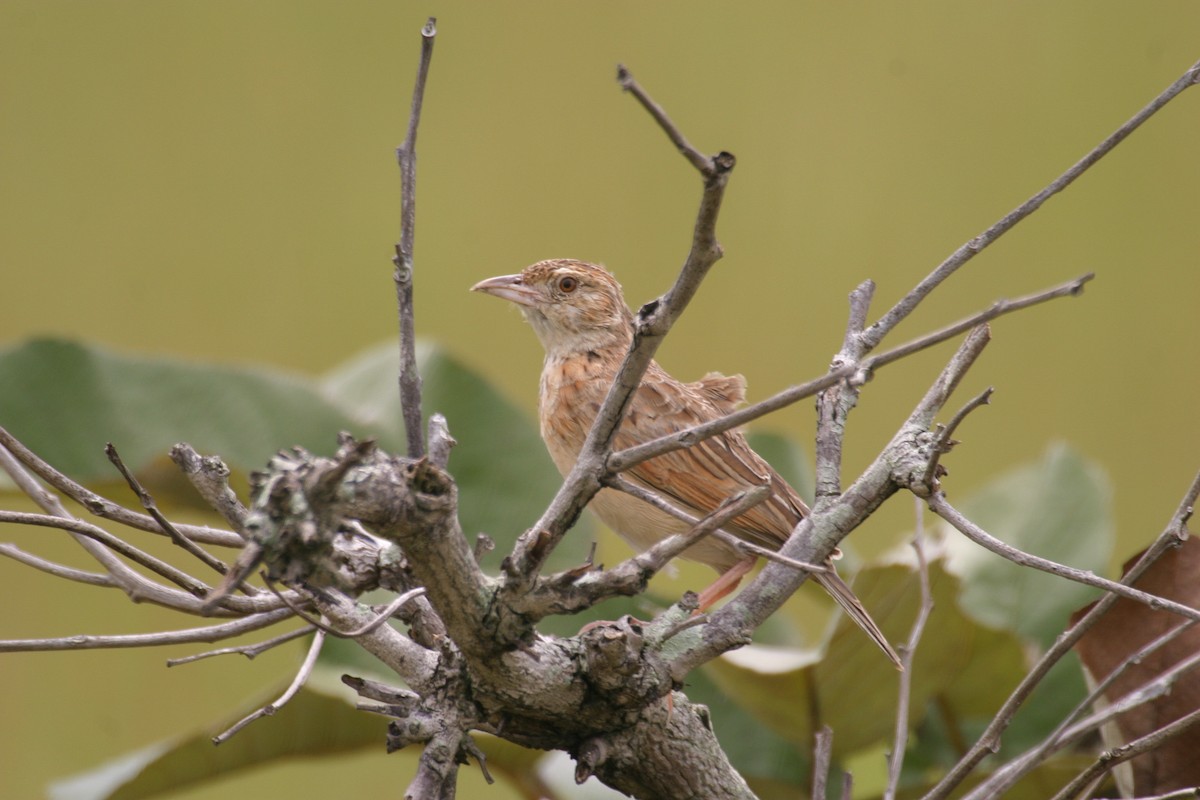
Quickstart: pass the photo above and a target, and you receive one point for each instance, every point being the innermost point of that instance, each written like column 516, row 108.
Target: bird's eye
column 567, row 284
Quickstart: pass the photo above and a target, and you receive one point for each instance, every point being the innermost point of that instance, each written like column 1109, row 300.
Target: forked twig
column 250, row 651
column 1119, row 755
column 632, row 456
column 651, row 325
column 873, row 335
column 1066, row 733
column 297, row 683
column 147, row 501
column 1172, row 534
column 975, row 533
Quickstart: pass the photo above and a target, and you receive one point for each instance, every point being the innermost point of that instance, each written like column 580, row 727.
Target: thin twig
column 873, row 335
column 100, row 506
column 943, row 509
column 147, row 501
column 1119, row 755
column 816, row 536
column 250, row 651
column 386, row 614
column 406, row 155
column 471, row 748
column 900, row 743
column 989, row 740
column 297, row 683
column 57, row 570
column 1181, row 794
column 943, row 443
column 192, row 585
column 835, row 403
column 209, row 633
column 632, row 456
column 701, row 162
column 1065, row 733
column 822, row 755
column 651, row 324
column 362, row 630
column 734, row 506
column 630, row 576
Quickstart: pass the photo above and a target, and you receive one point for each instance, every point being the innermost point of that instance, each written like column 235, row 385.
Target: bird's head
column 573, row 306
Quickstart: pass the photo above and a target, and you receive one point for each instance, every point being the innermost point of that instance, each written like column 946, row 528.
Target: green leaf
column 65, row 400
column 313, row 723
column 846, row 682
column 1059, row 508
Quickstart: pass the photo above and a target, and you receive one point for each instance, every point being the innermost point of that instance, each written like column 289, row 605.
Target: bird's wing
column 702, row 476
column 726, row 393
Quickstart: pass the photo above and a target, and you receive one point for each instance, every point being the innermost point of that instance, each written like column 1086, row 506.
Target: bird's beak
column 508, row 287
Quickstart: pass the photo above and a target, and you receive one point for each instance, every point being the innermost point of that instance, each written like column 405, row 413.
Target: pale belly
column 642, row 526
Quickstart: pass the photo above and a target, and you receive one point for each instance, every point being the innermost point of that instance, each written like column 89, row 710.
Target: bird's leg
column 726, row 583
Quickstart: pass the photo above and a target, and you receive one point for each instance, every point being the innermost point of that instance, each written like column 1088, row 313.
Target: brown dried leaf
column 1126, row 628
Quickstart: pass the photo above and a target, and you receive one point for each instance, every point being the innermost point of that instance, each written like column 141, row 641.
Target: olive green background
column 216, row 181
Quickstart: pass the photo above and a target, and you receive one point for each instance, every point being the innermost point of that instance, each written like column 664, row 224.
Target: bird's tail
column 846, row 598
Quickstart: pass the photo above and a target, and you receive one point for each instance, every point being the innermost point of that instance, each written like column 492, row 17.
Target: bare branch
column 406, row 154
column 900, row 742
column 1182, row 794
column 210, row 477
column 297, row 683
column 989, row 740
column 632, row 456
column 440, row 441
column 943, row 443
column 822, row 755
column 741, row 545
column 651, row 324
column 193, row 586
column 1119, row 755
column 943, row 509
column 1066, row 732
column 382, row 617
column 701, row 162
column 209, row 633
column 1153, row 689
column 816, row 536
column 57, row 570
column 570, row 592
column 834, row 403
column 966, row 252
column 148, row 503
column 250, row 651
column 97, row 505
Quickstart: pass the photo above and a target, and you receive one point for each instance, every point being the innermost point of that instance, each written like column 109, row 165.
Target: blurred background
column 216, row 181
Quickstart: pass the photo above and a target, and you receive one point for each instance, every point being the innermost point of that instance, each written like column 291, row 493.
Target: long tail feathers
column 845, row 598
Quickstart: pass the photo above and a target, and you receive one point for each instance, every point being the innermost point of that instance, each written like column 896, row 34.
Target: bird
column 579, row 314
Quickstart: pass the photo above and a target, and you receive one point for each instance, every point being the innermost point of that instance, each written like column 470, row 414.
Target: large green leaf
column 847, row 683
column 65, row 400
column 313, row 723
column 1059, row 508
